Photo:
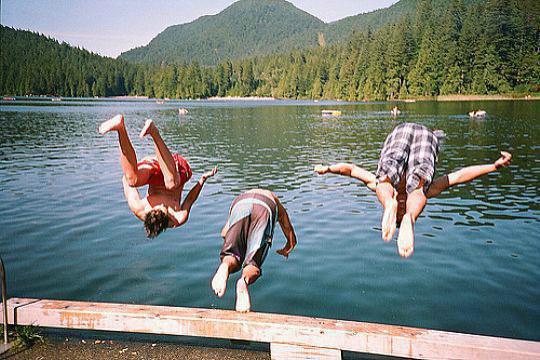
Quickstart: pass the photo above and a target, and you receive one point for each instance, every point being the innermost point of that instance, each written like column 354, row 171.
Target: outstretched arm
column 287, row 228
column 136, row 204
column 467, row 174
column 183, row 215
column 351, row 170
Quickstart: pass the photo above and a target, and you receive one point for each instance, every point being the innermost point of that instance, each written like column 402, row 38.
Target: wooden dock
column 290, row 337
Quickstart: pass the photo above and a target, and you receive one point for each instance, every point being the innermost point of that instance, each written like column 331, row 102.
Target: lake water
column 67, row 232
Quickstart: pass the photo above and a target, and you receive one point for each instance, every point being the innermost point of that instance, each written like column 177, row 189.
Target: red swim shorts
column 156, row 176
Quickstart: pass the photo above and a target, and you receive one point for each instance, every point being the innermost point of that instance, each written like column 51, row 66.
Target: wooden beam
column 301, row 331
column 5, row 347
column 295, row 352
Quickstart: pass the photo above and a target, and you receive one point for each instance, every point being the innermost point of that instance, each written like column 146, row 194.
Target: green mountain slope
column 261, row 27
column 339, row 30
column 246, row 28
column 35, row 64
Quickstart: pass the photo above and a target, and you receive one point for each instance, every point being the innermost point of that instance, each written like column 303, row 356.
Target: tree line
column 486, row 47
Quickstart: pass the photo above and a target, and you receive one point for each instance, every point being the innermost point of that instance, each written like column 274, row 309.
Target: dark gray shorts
column 251, row 227
column 410, row 148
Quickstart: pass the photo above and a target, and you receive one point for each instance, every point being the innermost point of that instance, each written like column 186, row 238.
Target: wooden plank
column 295, row 352
column 5, row 347
column 271, row 328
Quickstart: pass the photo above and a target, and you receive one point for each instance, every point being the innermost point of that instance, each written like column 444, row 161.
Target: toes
column 146, row 128
column 406, row 251
column 218, row 290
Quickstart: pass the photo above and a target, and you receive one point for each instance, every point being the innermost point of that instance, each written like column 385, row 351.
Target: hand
column 321, row 169
column 285, row 251
column 208, row 174
column 504, row 160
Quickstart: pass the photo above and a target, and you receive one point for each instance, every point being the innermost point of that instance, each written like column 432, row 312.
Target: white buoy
column 477, row 113
column 182, row 111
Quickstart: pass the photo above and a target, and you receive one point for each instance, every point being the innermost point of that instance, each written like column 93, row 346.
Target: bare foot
column 406, row 236
column 115, row 124
column 148, row 129
column 219, row 282
column 243, row 303
column 389, row 219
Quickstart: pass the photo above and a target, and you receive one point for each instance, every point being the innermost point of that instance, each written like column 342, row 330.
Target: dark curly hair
column 155, row 223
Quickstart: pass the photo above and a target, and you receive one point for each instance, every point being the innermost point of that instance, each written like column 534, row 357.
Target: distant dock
column 290, row 337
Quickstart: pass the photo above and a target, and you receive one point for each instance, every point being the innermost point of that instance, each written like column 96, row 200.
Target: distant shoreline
column 126, row 97
column 440, row 98
column 235, row 98
column 444, row 98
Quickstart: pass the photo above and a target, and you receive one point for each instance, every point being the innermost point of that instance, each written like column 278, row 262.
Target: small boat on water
column 8, row 98
column 56, row 99
column 182, row 111
column 409, row 100
column 478, row 114
column 395, row 111
column 331, row 112
column 160, row 101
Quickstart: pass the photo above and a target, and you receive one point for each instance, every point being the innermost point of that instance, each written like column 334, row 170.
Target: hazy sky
column 110, row 27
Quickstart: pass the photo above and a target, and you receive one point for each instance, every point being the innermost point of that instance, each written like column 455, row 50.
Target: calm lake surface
column 67, row 232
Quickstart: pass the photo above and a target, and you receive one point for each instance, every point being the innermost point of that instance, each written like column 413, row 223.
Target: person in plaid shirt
column 404, row 179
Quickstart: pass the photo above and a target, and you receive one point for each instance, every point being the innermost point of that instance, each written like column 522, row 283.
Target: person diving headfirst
column 247, row 237
column 405, row 179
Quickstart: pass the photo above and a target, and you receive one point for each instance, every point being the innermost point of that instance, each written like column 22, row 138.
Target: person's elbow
column 130, row 180
column 345, row 168
column 183, row 218
column 138, row 210
column 292, row 237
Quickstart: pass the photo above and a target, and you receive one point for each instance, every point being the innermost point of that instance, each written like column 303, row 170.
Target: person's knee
column 251, row 274
column 231, row 262
column 418, row 193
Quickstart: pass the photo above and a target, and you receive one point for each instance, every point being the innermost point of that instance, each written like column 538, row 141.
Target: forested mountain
column 246, row 28
column 34, row 64
column 340, row 30
column 260, row 27
column 480, row 47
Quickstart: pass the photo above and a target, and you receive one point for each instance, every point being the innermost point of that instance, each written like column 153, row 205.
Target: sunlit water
column 67, row 232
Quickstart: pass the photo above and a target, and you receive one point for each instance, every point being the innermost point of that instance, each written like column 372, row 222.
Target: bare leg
column 164, row 156
column 128, row 158
column 387, row 197
column 249, row 275
column 416, row 201
column 228, row 265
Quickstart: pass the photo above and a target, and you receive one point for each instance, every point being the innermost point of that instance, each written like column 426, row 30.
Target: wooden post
column 294, row 352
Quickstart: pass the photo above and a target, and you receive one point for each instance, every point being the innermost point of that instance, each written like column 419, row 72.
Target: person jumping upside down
column 247, row 237
column 165, row 174
column 404, row 179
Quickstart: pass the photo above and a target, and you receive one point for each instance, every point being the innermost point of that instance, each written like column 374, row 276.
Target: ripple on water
column 67, row 231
